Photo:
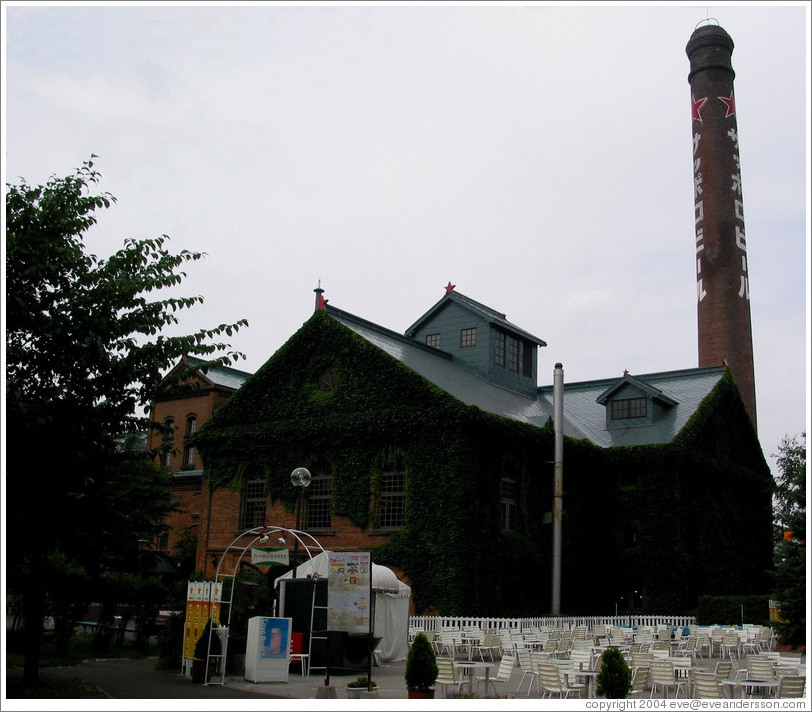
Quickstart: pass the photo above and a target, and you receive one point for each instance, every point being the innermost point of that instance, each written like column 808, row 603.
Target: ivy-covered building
column 434, row 449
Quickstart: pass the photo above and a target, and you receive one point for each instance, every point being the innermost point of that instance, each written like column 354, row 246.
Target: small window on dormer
column 499, row 349
column 433, row 340
column 468, row 338
column 527, row 360
column 513, row 354
column 623, row 408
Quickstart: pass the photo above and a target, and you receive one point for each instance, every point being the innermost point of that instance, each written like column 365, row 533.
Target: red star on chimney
column 730, row 103
column 449, row 288
column 696, row 105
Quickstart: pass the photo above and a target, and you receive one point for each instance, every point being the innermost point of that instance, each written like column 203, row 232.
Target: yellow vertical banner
column 203, row 601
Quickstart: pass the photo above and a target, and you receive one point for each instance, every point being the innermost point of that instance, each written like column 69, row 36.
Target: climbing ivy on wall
column 639, row 514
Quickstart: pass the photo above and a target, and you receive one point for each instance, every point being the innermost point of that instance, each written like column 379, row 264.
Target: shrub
column 614, row 677
column 202, row 650
column 421, row 665
column 170, row 643
column 362, row 682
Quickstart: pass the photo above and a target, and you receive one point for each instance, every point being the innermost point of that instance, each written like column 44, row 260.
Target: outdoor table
column 590, row 676
column 623, row 647
column 735, row 684
column 465, row 643
column 469, row 669
column 530, row 644
column 682, row 666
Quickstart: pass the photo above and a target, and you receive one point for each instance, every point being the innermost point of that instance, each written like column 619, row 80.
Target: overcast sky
column 537, row 157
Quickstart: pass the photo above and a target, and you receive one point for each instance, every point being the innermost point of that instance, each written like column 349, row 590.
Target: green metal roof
column 684, row 390
column 584, row 415
column 491, row 316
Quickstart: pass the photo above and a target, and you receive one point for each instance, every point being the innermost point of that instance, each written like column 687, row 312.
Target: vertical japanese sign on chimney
column 723, row 282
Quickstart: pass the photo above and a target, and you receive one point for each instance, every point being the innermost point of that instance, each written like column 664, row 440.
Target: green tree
column 789, row 578
column 86, row 346
column 614, row 677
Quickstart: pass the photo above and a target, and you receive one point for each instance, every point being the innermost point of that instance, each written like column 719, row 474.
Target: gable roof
column 686, row 388
column 222, row 376
column 584, row 415
column 441, row 369
column 490, row 316
column 644, row 386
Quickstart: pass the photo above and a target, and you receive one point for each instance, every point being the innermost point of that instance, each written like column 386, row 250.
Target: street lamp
column 299, row 478
column 143, row 545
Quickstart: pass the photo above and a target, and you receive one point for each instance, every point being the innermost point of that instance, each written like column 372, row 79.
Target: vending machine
column 267, row 651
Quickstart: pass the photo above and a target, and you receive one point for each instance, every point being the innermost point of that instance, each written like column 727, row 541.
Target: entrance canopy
column 383, row 579
column 391, row 602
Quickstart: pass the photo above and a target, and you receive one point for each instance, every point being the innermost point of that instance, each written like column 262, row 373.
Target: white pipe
column 558, row 484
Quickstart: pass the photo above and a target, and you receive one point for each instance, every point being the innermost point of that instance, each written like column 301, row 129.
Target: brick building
column 182, row 413
column 433, row 448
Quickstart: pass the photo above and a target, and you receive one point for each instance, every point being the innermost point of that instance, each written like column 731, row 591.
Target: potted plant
column 205, row 662
column 359, row 685
column 421, row 669
column 614, row 676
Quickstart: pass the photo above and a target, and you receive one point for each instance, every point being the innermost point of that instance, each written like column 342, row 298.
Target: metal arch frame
column 261, row 535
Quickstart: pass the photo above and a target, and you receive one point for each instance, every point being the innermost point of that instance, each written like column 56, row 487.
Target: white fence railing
column 437, row 623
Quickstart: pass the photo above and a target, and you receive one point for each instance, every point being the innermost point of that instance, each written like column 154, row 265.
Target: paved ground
column 139, row 680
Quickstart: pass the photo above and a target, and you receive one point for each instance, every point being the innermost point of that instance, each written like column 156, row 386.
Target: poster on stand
column 349, row 589
column 203, row 601
column 267, row 651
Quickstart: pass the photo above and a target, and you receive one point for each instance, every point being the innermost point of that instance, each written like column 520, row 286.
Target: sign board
column 349, row 589
column 202, row 602
column 267, row 650
column 261, row 556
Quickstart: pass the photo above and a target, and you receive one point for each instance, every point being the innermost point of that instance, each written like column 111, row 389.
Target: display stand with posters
column 267, row 651
column 203, row 600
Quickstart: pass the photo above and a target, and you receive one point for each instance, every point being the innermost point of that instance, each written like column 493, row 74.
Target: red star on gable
column 730, row 102
column 696, row 105
column 322, row 302
column 449, row 287
column 625, row 371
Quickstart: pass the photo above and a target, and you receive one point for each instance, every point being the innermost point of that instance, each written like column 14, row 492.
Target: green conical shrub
column 421, row 665
column 614, row 676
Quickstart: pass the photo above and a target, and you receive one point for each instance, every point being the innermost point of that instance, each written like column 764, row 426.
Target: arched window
column 167, row 451
column 188, row 457
column 318, row 496
column 254, row 499
column 191, row 424
column 392, row 499
column 509, row 501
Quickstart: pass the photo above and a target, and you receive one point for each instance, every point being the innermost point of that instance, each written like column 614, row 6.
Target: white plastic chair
column 662, row 676
column 503, row 673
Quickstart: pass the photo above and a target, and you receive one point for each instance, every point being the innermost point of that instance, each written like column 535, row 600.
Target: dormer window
column 631, row 402
column 468, row 338
column 433, row 340
column 629, row 408
column 513, row 354
column 499, row 349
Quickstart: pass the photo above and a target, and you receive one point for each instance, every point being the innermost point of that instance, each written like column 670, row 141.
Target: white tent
column 391, row 605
